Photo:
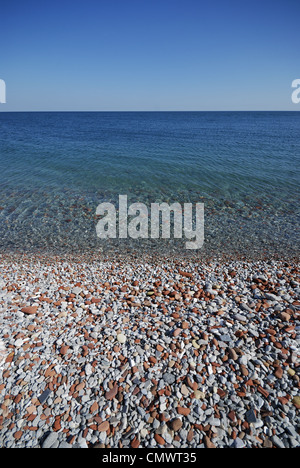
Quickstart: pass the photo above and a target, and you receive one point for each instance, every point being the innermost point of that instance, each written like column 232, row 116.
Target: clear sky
column 149, row 55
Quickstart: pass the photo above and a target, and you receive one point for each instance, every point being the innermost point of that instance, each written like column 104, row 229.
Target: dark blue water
column 55, row 168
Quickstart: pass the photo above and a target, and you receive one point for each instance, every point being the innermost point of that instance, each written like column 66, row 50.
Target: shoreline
column 143, row 255
column 148, row 352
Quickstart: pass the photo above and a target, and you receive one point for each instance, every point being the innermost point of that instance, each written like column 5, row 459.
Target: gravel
column 102, row 353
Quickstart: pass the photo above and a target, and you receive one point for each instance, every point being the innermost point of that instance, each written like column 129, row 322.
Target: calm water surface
column 55, row 168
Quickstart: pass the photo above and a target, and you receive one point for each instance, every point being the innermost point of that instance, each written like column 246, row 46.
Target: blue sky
column 149, row 55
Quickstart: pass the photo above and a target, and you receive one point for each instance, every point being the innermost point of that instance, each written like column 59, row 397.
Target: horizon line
column 85, row 111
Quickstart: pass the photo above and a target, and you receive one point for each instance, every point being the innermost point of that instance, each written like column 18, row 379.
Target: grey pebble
column 50, row 440
column 169, row 378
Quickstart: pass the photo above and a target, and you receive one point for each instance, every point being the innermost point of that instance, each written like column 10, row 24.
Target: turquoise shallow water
column 55, row 168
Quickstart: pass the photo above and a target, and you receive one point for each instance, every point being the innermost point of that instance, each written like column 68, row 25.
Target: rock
column 50, row 440
column 135, row 443
column 88, row 369
column 57, row 425
column 144, row 432
column 176, row 424
column 169, row 378
column 103, row 427
column 244, row 370
column 110, row 395
column 267, row 443
column 159, row 439
column 62, row 314
column 285, row 316
column 245, row 307
column 65, row 445
column 232, row 416
column 30, row 310
column 18, row 435
column 43, row 397
column 208, row 443
column 185, row 273
column 95, row 300
column 199, row 395
column 240, row 317
column 250, row 416
column 232, row 354
column 272, row 297
column 82, row 442
column 184, row 390
column 279, row 372
column 225, row 338
column 94, row 407
column 183, row 411
column 296, row 401
column 276, row 441
column 18, row 343
column 238, row 443
column 64, row 350
column 121, row 338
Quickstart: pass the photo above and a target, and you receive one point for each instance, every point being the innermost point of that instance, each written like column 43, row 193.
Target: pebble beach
column 102, row 353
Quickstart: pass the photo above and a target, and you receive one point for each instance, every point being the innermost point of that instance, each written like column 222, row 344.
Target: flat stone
column 183, row 411
column 240, row 317
column 121, row 338
column 43, row 397
column 199, row 395
column 159, row 439
column 238, row 443
column 279, row 372
column 208, row 443
column 184, row 390
column 296, row 401
column 64, row 350
column 232, row 354
column 110, row 395
column 225, row 338
column 276, row 441
column 285, row 316
column 103, row 427
column 250, row 416
column 30, row 310
column 176, row 424
column 169, row 378
column 18, row 435
column 50, row 440
column 65, row 445
column 195, row 344
column 94, row 407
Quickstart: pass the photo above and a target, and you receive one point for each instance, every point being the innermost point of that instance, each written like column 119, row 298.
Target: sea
column 57, row 167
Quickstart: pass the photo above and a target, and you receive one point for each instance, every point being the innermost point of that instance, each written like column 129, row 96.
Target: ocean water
column 56, row 167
